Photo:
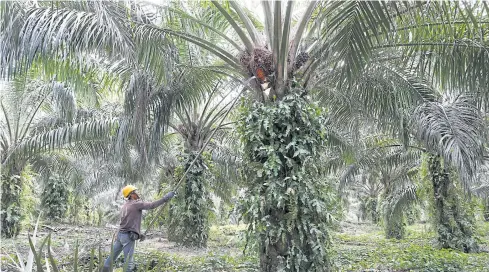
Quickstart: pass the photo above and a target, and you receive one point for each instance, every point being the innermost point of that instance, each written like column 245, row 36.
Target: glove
column 170, row 195
column 142, row 237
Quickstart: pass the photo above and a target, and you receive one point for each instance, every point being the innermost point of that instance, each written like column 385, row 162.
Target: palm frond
column 242, row 35
column 226, row 162
column 352, row 30
column 393, row 161
column 383, row 94
column 297, row 36
column 402, row 197
column 277, row 37
column 450, row 49
column 149, row 32
column 268, row 22
column 482, row 191
column 12, row 16
column 252, row 31
column 201, row 23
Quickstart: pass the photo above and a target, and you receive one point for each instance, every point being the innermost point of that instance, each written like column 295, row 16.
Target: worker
column 130, row 227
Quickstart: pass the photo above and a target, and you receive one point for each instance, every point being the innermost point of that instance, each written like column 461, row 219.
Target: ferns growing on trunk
column 189, row 213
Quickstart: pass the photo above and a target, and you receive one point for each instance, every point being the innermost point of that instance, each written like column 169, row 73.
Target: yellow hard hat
column 127, row 190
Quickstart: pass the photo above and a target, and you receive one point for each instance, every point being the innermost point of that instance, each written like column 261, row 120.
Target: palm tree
column 451, row 133
column 422, row 104
column 367, row 189
column 383, row 168
column 481, row 189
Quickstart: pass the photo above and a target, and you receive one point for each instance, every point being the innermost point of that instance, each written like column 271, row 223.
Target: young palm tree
column 368, row 189
column 195, row 124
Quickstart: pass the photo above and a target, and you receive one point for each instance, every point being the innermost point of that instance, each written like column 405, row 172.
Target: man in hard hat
column 130, row 228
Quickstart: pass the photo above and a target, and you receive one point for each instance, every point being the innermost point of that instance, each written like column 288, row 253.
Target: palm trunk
column 453, row 223
column 372, row 204
column 394, row 226
column 285, row 205
column 486, row 209
column 11, row 213
column 189, row 224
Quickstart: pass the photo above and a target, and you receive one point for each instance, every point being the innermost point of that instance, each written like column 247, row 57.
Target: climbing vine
column 288, row 204
column 54, row 198
column 454, row 219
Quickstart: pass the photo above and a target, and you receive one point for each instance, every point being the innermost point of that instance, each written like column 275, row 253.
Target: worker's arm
column 154, row 204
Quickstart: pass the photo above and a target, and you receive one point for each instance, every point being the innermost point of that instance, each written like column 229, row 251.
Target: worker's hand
column 142, row 237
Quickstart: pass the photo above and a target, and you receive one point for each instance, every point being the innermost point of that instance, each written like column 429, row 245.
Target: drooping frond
column 227, row 163
column 455, row 131
column 353, row 29
column 47, row 163
column 51, row 30
column 392, row 162
column 60, row 137
column 445, row 41
column 383, row 94
column 147, row 32
column 12, row 17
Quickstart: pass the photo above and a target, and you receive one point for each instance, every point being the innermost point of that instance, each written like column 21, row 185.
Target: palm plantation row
column 297, row 108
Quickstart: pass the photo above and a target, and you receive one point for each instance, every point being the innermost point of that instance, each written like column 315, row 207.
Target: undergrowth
column 417, row 252
column 367, row 251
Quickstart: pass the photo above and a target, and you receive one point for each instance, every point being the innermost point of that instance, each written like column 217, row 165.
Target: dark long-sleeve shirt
column 132, row 212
